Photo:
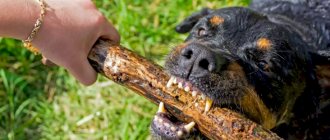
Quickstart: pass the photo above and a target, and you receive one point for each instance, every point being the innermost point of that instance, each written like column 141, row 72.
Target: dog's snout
column 198, row 60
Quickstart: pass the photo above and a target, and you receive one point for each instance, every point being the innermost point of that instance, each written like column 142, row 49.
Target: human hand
column 70, row 29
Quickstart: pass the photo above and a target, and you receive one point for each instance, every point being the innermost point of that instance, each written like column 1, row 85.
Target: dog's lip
column 188, row 87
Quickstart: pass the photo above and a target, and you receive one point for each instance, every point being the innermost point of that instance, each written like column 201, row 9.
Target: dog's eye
column 201, row 32
column 263, row 65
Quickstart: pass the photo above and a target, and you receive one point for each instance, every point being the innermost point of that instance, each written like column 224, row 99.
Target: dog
column 269, row 61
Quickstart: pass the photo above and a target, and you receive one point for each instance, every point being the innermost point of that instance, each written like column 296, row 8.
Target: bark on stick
column 149, row 80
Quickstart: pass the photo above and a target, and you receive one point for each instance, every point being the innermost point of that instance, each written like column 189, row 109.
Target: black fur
column 283, row 74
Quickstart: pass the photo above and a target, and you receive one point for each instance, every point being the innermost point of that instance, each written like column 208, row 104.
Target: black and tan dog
column 269, row 62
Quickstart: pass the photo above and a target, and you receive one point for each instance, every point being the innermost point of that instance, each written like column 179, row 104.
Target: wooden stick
column 149, row 80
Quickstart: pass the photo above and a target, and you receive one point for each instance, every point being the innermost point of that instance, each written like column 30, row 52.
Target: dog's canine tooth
column 179, row 133
column 156, row 118
column 170, row 82
column 175, row 80
column 203, row 96
column 167, row 125
column 208, row 105
column 189, row 126
column 161, row 108
column 180, row 85
column 173, row 128
column 187, row 89
column 194, row 93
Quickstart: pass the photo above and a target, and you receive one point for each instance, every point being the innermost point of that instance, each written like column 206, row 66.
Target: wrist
column 18, row 18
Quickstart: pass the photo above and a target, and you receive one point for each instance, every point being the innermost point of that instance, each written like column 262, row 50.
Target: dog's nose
column 198, row 60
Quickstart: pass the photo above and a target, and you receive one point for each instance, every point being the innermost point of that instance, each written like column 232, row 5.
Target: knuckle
column 99, row 18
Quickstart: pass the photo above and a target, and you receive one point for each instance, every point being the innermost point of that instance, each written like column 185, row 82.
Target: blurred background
column 38, row 102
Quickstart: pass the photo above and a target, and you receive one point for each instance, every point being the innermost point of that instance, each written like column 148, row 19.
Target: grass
column 37, row 102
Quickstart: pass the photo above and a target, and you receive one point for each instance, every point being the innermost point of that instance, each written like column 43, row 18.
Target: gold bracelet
column 28, row 42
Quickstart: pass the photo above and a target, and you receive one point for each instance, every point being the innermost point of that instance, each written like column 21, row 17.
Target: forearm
column 69, row 30
column 18, row 17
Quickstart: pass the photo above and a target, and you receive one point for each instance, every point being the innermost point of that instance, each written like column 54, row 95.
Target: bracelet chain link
column 28, row 42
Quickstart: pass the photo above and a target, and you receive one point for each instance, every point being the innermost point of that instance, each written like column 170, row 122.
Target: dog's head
column 242, row 60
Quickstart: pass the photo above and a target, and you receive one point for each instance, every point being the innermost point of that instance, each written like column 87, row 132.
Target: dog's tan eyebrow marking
column 264, row 43
column 216, row 20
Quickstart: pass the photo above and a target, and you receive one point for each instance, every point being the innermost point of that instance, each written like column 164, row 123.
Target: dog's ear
column 321, row 60
column 187, row 24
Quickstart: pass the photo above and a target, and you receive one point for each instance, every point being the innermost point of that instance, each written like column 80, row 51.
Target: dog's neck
column 303, row 111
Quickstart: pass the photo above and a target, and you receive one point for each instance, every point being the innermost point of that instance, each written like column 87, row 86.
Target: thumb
column 110, row 32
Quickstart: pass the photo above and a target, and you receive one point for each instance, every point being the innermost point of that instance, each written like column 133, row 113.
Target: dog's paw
column 164, row 126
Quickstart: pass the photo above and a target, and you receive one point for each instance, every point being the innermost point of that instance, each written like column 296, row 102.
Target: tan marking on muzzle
column 235, row 67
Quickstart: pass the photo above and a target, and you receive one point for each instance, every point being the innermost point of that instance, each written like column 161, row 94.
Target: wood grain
column 149, row 80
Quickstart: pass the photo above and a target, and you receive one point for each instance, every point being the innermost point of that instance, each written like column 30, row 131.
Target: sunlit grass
column 46, row 103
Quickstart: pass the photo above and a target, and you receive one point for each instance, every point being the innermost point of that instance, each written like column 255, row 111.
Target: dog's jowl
column 269, row 62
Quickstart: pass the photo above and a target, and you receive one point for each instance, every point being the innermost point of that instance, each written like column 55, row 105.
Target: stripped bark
column 149, row 80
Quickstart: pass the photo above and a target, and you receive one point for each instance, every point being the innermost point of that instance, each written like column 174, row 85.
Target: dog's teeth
column 175, row 81
column 208, row 105
column 167, row 125
column 187, row 89
column 156, row 118
column 189, row 126
column 194, row 93
column 180, row 85
column 170, row 82
column 179, row 133
column 203, row 96
column 173, row 128
column 161, row 108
